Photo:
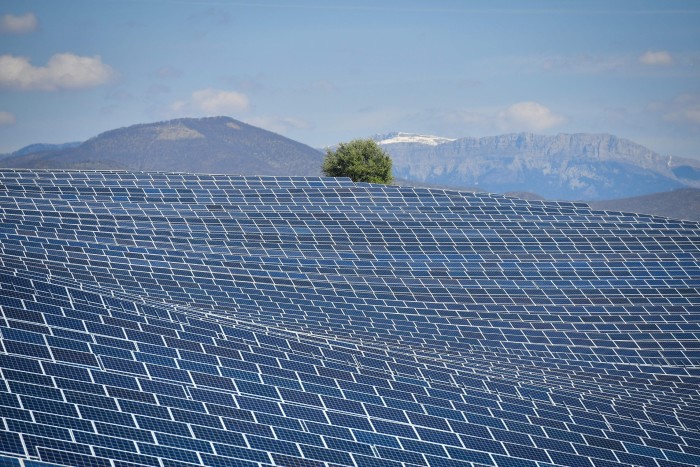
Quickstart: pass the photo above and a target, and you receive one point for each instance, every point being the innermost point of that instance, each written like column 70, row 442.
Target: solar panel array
column 153, row 319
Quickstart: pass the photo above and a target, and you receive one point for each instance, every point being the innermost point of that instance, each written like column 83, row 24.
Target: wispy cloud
column 521, row 116
column 610, row 63
column 656, row 58
column 7, row 119
column 584, row 63
column 528, row 116
column 63, row 71
column 684, row 109
column 11, row 24
column 211, row 102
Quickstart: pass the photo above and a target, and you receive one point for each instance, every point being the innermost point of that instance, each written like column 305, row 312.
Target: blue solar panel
column 179, row 319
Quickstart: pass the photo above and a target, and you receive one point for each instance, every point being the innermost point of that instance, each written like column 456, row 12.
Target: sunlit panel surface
column 153, row 319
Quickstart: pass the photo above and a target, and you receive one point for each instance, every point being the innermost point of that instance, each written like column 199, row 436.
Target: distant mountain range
column 206, row 145
column 683, row 203
column 565, row 167
column 40, row 147
column 609, row 172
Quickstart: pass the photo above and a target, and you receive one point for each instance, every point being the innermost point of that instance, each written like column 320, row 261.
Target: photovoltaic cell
column 183, row 319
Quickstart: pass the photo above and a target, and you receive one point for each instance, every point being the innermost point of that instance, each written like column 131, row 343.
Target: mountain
column 206, row 145
column 677, row 204
column 400, row 137
column 40, row 147
column 562, row 167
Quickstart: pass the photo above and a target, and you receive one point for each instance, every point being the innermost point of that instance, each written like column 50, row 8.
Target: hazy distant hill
column 564, row 167
column 677, row 204
column 207, row 145
column 40, row 147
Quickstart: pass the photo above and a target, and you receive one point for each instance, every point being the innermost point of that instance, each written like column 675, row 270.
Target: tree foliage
column 362, row 160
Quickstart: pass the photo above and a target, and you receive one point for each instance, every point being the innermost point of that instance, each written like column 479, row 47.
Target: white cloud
column 656, row 58
column 216, row 102
column 63, row 71
column 528, row 116
column 211, row 102
column 11, row 24
column 519, row 117
column 7, row 119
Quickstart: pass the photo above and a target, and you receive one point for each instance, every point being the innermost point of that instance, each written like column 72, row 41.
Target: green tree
column 361, row 159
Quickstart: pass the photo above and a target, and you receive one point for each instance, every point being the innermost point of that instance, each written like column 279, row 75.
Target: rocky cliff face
column 566, row 166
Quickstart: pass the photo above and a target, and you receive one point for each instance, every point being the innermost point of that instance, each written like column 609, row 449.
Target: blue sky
column 322, row 72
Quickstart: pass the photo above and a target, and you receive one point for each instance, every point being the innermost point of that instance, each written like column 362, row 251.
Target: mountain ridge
column 205, row 145
column 40, row 147
column 401, row 137
column 579, row 166
column 683, row 203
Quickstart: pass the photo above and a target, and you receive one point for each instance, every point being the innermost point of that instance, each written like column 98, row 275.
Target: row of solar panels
column 421, row 330
column 86, row 365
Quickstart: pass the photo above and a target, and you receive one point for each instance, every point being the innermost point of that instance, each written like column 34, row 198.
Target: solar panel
column 181, row 319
